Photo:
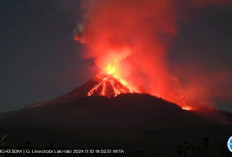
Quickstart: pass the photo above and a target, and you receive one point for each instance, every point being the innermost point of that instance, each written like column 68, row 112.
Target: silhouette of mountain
column 126, row 120
column 101, row 85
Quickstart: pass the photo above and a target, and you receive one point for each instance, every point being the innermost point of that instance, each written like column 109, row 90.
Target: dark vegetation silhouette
column 185, row 149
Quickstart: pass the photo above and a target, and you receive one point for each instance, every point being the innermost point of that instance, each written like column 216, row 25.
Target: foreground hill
column 129, row 120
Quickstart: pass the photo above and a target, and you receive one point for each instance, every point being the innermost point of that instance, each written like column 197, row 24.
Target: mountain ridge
column 125, row 120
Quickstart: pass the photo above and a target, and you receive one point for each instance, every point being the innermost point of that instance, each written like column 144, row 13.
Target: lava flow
column 110, row 84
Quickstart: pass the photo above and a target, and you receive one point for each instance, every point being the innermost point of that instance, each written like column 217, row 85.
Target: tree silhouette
column 205, row 147
column 3, row 141
column 180, row 150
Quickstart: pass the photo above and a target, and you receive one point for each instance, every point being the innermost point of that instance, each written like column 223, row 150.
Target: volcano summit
column 103, row 84
column 110, row 86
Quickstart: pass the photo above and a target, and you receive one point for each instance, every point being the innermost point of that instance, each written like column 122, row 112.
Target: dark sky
column 39, row 59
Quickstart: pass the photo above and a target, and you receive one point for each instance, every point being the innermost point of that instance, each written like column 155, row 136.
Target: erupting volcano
column 129, row 43
column 130, row 49
column 110, row 84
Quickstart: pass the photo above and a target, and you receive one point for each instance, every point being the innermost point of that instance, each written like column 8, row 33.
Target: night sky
column 39, row 59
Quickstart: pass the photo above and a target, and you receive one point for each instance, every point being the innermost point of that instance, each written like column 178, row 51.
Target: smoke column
column 134, row 36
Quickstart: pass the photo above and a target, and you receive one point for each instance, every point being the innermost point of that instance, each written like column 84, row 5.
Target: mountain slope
column 112, row 121
column 106, row 112
column 101, row 85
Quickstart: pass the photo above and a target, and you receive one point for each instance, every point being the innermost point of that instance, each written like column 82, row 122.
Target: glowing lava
column 186, row 107
column 110, row 84
column 133, row 37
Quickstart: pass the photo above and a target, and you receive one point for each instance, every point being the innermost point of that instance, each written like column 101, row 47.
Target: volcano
column 105, row 112
column 110, row 86
column 103, row 84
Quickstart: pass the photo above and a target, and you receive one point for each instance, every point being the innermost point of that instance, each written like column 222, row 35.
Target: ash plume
column 135, row 36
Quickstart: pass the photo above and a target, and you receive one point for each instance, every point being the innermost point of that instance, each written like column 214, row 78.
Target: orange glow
column 110, row 69
column 115, row 72
column 129, row 48
column 186, row 107
column 128, row 40
column 110, row 85
column 110, row 78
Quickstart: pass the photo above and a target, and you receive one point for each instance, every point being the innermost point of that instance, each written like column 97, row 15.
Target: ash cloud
column 136, row 37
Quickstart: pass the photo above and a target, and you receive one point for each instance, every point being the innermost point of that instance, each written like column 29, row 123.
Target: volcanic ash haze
column 133, row 37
